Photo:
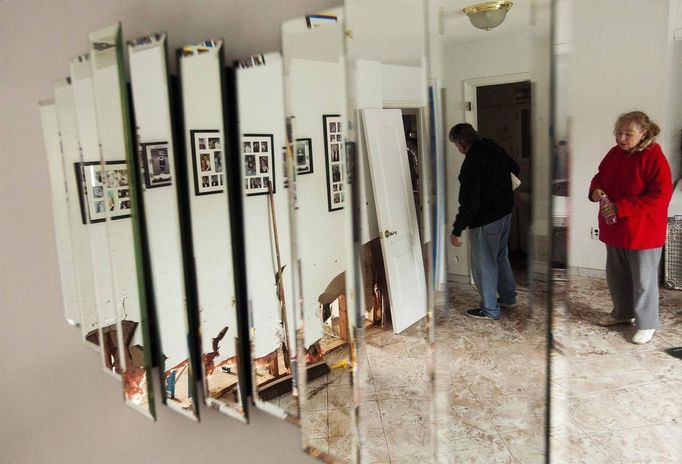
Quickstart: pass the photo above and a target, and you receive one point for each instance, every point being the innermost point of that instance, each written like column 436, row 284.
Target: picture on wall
column 258, row 158
column 157, row 166
column 304, row 156
column 103, row 190
column 335, row 161
column 207, row 160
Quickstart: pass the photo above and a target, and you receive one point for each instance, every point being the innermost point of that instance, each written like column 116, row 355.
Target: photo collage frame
column 104, row 190
column 156, row 163
column 336, row 161
column 259, row 163
column 304, row 156
column 208, row 161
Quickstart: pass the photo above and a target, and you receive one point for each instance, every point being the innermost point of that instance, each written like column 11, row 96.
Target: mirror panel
column 160, row 193
column 202, row 104
column 608, row 391
column 315, row 82
column 385, row 45
column 92, row 214
column 60, row 213
column 116, row 181
column 491, row 375
column 260, row 98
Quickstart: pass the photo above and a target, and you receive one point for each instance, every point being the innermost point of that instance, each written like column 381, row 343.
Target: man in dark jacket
column 486, row 201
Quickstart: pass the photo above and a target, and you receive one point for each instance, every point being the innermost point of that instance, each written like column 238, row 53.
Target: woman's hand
column 597, row 194
column 608, row 209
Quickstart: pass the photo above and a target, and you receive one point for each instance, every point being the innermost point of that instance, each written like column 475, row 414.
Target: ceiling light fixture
column 489, row 14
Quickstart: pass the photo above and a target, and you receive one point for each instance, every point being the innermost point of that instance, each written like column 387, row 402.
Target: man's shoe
column 509, row 305
column 608, row 321
column 480, row 314
column 643, row 336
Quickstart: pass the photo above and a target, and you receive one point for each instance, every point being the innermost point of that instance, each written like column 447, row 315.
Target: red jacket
column 640, row 184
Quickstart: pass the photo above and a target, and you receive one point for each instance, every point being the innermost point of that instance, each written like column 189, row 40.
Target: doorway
column 503, row 114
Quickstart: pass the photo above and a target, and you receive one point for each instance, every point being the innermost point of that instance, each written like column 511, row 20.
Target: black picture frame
column 103, row 190
column 335, row 160
column 303, row 154
column 208, row 161
column 258, row 162
column 156, row 163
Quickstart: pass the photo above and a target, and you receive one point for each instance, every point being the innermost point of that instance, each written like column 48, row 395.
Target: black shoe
column 480, row 314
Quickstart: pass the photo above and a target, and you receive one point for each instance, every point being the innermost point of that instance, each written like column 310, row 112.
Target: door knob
column 388, row 234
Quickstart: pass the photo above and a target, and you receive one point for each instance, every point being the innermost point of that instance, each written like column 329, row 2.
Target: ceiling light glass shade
column 488, row 15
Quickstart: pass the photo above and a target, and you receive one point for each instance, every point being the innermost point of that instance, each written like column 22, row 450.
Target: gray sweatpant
column 632, row 276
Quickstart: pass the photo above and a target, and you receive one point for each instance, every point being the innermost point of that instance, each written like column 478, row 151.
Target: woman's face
column 628, row 136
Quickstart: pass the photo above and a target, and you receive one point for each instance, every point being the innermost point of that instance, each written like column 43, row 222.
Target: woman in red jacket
column 635, row 177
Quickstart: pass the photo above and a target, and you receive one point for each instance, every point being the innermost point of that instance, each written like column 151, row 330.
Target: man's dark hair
column 463, row 133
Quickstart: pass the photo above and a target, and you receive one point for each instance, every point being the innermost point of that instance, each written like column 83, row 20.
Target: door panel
column 396, row 215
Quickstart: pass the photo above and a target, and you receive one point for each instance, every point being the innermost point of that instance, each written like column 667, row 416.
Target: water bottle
column 609, row 219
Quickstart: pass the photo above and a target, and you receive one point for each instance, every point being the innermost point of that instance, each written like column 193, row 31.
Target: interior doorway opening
column 503, row 114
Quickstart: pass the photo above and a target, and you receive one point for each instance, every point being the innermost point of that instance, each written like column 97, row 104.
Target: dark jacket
column 485, row 192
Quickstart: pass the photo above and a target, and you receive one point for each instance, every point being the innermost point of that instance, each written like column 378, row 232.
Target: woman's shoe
column 609, row 320
column 643, row 336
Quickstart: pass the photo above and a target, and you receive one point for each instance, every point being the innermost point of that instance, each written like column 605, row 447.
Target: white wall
column 57, row 405
column 613, row 70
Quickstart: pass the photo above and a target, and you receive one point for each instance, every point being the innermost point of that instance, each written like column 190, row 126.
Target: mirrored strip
column 117, row 180
column 315, row 75
column 491, row 366
column 260, row 96
column 60, row 213
column 207, row 182
column 208, row 233
column 89, row 184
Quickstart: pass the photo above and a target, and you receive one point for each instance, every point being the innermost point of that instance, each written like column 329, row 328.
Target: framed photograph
column 304, row 156
column 157, row 166
column 207, row 161
column 314, row 21
column 335, row 159
column 258, row 157
column 103, row 190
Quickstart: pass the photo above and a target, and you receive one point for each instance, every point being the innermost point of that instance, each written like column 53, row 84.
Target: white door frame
column 470, row 85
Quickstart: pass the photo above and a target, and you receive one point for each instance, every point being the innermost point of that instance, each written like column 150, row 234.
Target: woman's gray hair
column 642, row 120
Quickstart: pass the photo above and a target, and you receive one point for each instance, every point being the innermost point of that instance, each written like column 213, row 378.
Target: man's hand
column 455, row 240
column 597, row 194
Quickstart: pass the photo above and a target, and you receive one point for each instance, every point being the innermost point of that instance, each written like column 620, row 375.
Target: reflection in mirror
column 207, row 189
column 491, row 329
column 260, row 96
column 314, row 68
column 60, row 214
column 615, row 398
column 75, row 106
column 92, row 213
column 385, row 44
column 110, row 185
column 159, row 207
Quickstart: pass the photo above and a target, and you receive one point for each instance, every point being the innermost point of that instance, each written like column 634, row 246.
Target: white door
column 387, row 154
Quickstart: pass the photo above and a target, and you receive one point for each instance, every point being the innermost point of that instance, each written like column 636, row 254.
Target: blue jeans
column 490, row 265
